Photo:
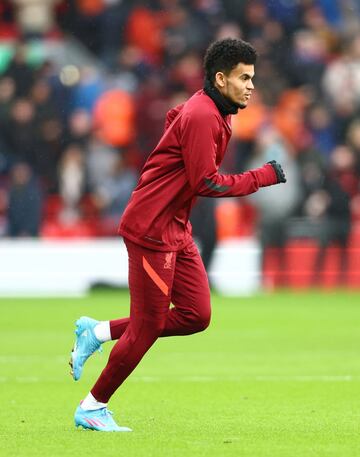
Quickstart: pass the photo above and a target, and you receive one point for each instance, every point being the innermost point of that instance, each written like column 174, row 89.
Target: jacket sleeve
column 200, row 134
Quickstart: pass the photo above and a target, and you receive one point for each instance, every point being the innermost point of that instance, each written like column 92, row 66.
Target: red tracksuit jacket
column 183, row 165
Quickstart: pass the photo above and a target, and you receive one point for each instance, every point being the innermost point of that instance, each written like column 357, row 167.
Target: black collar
column 224, row 105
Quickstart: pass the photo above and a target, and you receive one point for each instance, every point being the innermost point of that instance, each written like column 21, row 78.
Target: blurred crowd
column 72, row 142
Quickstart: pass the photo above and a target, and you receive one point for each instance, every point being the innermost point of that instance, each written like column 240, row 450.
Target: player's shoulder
column 200, row 107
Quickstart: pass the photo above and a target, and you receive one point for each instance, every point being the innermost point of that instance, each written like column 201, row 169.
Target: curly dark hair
column 224, row 55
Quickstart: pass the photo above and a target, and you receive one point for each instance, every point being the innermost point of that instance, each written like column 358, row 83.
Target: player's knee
column 147, row 330
column 203, row 321
column 157, row 328
column 153, row 327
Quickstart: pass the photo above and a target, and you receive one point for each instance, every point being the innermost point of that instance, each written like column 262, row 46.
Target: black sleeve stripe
column 215, row 187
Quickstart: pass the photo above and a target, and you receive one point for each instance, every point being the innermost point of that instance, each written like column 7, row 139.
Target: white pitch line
column 265, row 378
column 301, row 378
column 201, row 379
column 296, row 378
column 27, row 379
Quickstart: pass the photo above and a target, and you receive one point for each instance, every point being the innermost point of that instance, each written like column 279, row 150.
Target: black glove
column 278, row 170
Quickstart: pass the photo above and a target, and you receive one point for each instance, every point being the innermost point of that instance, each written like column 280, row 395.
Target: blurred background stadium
column 84, row 89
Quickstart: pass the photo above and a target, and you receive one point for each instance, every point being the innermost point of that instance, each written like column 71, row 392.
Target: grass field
column 273, row 376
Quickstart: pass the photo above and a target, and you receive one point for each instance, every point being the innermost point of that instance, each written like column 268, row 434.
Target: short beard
column 238, row 105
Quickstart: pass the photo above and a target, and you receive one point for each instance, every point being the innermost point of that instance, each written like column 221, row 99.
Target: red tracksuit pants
column 156, row 279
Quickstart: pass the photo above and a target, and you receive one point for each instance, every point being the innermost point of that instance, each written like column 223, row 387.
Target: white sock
column 102, row 331
column 90, row 403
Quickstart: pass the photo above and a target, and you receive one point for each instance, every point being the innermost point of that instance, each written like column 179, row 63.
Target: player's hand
column 278, row 170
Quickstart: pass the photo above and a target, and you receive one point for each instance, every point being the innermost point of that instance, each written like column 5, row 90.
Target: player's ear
column 220, row 79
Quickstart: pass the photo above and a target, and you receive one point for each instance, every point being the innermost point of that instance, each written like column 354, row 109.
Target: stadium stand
column 85, row 85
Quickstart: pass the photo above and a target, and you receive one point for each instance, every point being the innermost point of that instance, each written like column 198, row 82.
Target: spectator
column 8, row 27
column 309, row 58
column 72, row 180
column 101, row 160
column 270, row 145
column 184, row 33
column 332, row 11
column 144, row 30
column 187, row 73
column 20, row 71
column 131, row 68
column 25, row 202
column 20, row 132
column 353, row 140
column 287, row 13
column 114, row 118
column 88, row 90
column 7, row 94
column 288, row 117
column 315, row 20
column 85, row 17
column 152, row 103
column 341, row 86
column 35, row 17
column 112, row 195
column 41, row 95
column 48, row 151
column 322, row 128
column 279, row 52
column 79, row 128
column 255, row 18
column 112, row 26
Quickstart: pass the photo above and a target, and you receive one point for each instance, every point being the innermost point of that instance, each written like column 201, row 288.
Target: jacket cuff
column 266, row 175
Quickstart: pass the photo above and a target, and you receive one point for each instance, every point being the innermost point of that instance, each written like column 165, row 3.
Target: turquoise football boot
column 86, row 344
column 99, row 419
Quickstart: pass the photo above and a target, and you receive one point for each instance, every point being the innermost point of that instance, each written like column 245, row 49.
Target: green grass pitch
column 274, row 375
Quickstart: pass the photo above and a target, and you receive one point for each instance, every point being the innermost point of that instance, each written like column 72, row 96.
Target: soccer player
column 164, row 264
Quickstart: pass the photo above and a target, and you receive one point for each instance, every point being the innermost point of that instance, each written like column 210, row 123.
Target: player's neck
column 224, row 105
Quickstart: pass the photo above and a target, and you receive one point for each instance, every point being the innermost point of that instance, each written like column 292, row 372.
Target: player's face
column 237, row 86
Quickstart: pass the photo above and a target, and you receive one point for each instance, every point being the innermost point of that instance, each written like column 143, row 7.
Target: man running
column 164, row 264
